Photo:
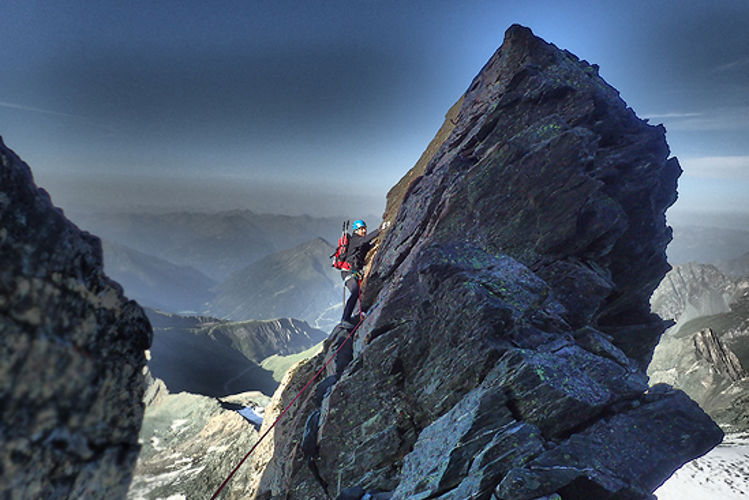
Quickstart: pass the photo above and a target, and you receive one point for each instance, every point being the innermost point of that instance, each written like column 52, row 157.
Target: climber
column 359, row 244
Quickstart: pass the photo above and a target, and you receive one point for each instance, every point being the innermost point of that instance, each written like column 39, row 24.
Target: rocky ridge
column 71, row 378
column 708, row 346
column 509, row 324
column 187, row 439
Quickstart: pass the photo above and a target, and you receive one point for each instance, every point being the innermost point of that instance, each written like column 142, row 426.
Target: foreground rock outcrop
column 509, row 324
column 71, row 378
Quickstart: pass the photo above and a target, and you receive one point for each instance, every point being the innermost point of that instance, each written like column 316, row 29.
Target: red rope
column 226, row 481
column 360, row 312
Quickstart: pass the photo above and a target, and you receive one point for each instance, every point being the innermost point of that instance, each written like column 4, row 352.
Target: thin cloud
column 737, row 64
column 717, row 167
column 20, row 107
column 672, row 115
column 32, row 109
column 718, row 119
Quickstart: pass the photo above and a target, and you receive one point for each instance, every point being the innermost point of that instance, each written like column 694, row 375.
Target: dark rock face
column 509, row 324
column 71, row 378
column 396, row 194
column 548, row 166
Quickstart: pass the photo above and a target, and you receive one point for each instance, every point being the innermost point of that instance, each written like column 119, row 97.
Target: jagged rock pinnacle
column 509, row 324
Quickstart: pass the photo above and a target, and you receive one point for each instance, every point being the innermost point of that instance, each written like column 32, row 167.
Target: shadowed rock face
column 72, row 357
column 509, row 328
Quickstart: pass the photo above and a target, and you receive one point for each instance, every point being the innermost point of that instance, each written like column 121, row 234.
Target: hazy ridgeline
column 236, row 265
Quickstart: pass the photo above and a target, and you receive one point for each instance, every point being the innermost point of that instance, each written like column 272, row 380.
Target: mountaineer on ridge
column 358, row 245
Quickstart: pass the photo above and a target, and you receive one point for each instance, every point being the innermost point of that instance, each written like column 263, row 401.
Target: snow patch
column 255, row 418
column 143, row 485
column 721, row 474
column 155, row 442
column 179, row 424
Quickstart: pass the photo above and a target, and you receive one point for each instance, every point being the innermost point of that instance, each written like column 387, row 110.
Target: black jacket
column 358, row 246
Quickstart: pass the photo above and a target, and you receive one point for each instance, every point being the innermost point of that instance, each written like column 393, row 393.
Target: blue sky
column 320, row 107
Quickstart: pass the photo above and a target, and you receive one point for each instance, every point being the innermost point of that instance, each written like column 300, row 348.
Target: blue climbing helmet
column 358, row 224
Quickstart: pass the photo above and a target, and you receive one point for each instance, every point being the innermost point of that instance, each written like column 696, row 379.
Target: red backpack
column 339, row 257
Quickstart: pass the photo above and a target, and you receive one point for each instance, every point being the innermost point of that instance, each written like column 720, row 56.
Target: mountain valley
column 213, row 357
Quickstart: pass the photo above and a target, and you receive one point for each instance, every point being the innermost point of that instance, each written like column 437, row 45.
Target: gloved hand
column 385, row 224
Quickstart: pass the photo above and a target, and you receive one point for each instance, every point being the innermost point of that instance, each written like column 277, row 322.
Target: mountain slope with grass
column 296, row 283
column 207, row 356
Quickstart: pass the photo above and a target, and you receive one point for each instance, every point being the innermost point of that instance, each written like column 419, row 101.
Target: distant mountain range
column 706, row 353
column 297, row 283
column 693, row 290
column 155, row 282
column 735, row 268
column 706, row 244
column 216, row 244
column 207, row 356
column 236, row 265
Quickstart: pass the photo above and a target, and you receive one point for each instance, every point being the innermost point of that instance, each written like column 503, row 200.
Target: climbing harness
column 351, row 334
